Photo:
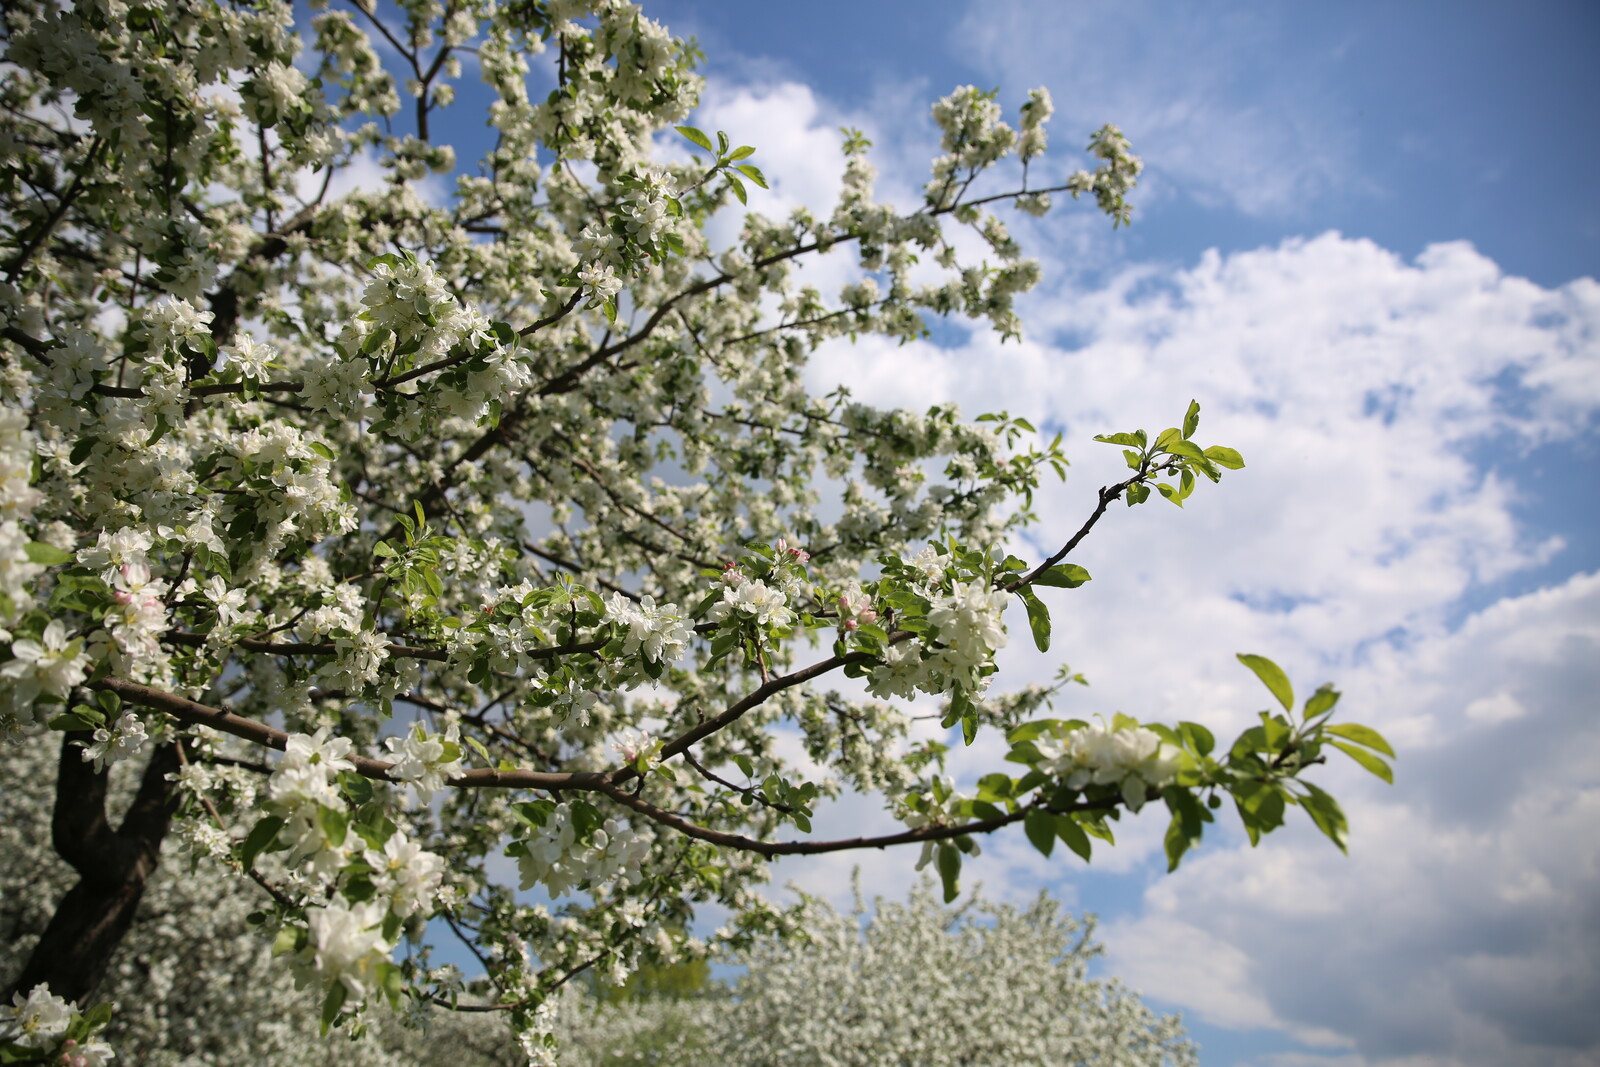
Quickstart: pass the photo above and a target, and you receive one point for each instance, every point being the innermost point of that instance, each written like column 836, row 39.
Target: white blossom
column 427, row 761
column 347, row 944
column 39, row 1019
column 112, row 744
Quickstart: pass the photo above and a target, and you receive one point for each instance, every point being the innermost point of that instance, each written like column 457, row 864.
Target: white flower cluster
column 40, row 1020
column 969, row 623
column 1035, row 113
column 50, row 666
column 644, row 206
column 404, row 295
column 360, row 657
column 112, row 744
column 752, row 598
column 302, row 785
column 347, row 944
column 555, row 855
column 968, row 632
column 17, row 501
column 1131, row 757
column 17, row 496
column 346, row 939
column 660, row 632
column 406, row 873
column 427, row 761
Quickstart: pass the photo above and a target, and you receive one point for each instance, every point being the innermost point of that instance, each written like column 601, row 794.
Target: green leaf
column 334, row 825
column 1038, row 618
column 1041, row 830
column 356, row 787
column 1187, row 826
column 1321, row 701
column 1072, row 834
column 1030, row 730
column 753, row 172
column 1063, row 576
column 70, row 721
column 1224, row 457
column 1199, row 738
column 1367, row 760
column 695, row 136
column 1326, row 813
column 1361, row 735
column 97, row 1016
column 722, row 143
column 261, row 835
column 742, row 152
column 323, row 450
column 1186, row 449
column 1132, row 440
column 48, row 555
column 738, row 189
column 392, row 983
column 287, row 939
column 332, row 1004
column 1191, row 421
column 1272, row 677
column 478, row 747
column 950, row 871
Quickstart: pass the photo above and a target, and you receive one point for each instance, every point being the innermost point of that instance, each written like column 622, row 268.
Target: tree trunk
column 113, row 866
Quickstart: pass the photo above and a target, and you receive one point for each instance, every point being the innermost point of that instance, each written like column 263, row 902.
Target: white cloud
column 1463, row 923
column 1363, row 391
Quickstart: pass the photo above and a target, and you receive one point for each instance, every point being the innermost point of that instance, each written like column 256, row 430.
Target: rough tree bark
column 113, row 868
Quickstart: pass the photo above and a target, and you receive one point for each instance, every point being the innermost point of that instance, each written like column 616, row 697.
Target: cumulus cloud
column 1365, row 392
column 1462, row 925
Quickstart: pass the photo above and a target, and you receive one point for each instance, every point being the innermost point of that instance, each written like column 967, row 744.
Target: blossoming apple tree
column 495, row 509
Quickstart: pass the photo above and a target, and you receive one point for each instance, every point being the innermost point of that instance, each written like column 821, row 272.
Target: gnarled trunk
column 113, row 868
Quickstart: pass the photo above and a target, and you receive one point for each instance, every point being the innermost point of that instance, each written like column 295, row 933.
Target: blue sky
column 1366, row 242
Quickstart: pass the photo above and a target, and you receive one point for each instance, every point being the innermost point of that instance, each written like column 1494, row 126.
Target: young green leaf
column 1132, row 440
column 1038, row 618
column 332, row 1004
column 950, row 871
column 261, row 835
column 1361, row 735
column 695, row 136
column 1224, row 457
column 1326, row 813
column 1272, row 677
column 1191, row 421
column 1041, row 830
column 1072, row 834
column 1367, row 760
column 1063, row 576
column 48, row 555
